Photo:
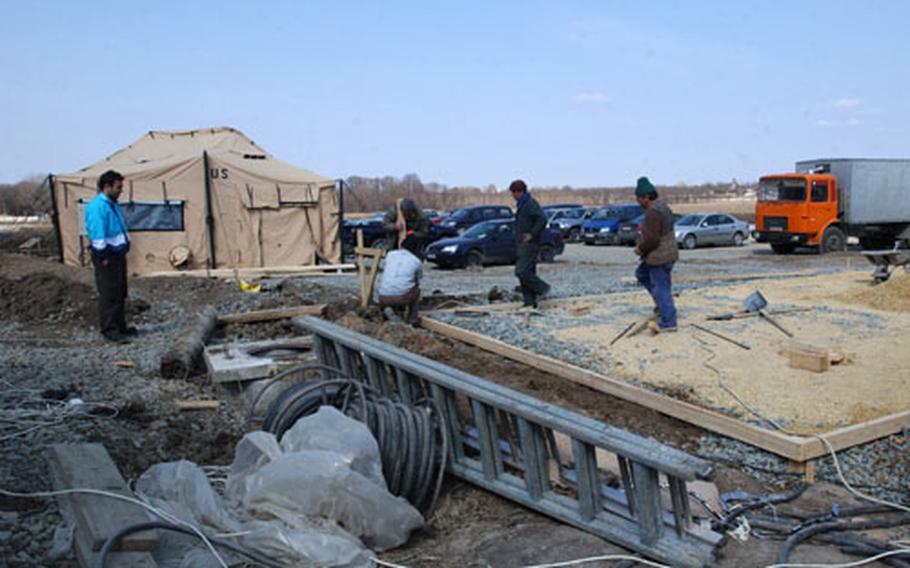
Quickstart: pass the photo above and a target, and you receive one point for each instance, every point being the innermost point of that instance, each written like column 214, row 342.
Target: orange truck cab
column 826, row 201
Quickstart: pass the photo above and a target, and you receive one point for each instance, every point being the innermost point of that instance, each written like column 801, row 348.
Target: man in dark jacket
column 530, row 221
column 413, row 223
column 658, row 252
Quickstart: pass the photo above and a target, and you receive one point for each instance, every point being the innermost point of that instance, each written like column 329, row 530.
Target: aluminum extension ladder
column 509, row 443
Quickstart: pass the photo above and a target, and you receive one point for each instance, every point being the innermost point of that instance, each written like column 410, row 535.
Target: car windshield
column 479, row 231
column 782, row 189
column 638, row 220
column 608, row 213
column 689, row 220
column 460, row 214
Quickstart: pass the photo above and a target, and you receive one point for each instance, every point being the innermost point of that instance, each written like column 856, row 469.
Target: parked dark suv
column 491, row 242
column 468, row 216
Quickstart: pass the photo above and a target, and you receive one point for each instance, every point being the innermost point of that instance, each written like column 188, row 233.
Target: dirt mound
column 46, row 297
column 892, row 295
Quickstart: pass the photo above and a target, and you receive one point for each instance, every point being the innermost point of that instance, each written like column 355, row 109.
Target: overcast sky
column 470, row 93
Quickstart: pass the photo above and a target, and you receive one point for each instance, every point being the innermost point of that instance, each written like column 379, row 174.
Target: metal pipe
column 55, row 216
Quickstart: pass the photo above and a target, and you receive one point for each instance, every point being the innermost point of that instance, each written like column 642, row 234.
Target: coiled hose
column 411, row 437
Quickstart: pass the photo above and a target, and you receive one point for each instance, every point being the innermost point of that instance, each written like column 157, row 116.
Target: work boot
column 115, row 337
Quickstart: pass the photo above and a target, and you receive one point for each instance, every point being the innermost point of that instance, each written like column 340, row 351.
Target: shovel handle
column 770, row 320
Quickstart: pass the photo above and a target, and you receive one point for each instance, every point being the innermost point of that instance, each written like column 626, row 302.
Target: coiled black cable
column 411, row 437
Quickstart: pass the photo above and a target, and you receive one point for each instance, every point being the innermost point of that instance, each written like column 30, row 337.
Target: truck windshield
column 782, row 189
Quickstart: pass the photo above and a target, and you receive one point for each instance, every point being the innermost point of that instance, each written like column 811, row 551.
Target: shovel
column 756, row 302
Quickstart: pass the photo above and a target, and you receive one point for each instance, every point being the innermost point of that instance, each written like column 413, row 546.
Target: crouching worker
column 399, row 286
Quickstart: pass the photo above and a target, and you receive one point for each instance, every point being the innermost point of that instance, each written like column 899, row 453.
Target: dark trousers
column 532, row 286
column 409, row 299
column 110, row 279
column 658, row 282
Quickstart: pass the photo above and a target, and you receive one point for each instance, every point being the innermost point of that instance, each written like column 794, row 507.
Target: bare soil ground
column 50, row 352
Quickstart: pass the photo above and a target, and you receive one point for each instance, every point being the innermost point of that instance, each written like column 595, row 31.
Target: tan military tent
column 207, row 198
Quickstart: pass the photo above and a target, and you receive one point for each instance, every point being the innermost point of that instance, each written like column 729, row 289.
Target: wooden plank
column 271, row 314
column 89, row 466
column 197, row 404
column 781, row 444
column 259, row 272
column 88, row 558
column 371, row 282
column 855, row 434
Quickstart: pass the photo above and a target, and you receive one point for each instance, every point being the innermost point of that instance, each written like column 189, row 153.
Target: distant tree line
column 363, row 194
column 30, row 196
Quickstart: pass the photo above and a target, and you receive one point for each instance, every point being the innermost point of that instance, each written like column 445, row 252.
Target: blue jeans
column 657, row 281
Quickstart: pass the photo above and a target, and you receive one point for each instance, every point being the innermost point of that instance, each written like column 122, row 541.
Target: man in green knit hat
column 658, row 252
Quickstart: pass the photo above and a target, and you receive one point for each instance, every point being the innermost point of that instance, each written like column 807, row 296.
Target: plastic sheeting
column 316, row 499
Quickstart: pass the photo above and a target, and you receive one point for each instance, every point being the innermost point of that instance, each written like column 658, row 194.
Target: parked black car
column 469, row 216
column 490, row 242
column 372, row 227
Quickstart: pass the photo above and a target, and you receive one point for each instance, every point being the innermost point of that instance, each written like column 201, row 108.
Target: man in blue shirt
column 109, row 244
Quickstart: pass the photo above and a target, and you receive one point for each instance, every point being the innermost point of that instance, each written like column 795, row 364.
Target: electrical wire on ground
column 101, row 560
column 154, row 510
column 28, row 410
column 799, row 533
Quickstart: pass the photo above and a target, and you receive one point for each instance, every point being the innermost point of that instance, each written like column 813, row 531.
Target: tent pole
column 209, row 219
column 55, row 216
column 340, row 217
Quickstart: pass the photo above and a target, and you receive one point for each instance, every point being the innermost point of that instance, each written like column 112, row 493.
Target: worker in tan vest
column 658, row 252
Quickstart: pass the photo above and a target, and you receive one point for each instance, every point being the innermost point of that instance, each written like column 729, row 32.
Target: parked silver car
column 710, row 229
column 569, row 221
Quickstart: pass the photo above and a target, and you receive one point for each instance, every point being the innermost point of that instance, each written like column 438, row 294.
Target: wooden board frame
column 794, row 448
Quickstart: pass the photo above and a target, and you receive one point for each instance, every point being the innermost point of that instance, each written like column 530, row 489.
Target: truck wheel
column 690, row 242
column 782, row 248
column 547, row 254
column 833, row 240
column 738, row 239
column 475, row 259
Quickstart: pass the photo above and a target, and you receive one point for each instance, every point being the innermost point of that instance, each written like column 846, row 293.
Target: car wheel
column 547, row 254
column 574, row 235
column 690, row 242
column 782, row 248
column 738, row 239
column 589, row 243
column 833, row 240
column 475, row 259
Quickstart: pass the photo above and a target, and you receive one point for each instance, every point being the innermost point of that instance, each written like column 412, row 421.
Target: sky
column 464, row 93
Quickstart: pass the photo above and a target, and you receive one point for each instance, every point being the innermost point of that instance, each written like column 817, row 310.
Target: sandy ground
column 702, row 368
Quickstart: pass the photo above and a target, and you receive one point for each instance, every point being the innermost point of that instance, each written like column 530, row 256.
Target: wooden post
column 361, row 269
column 403, row 229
